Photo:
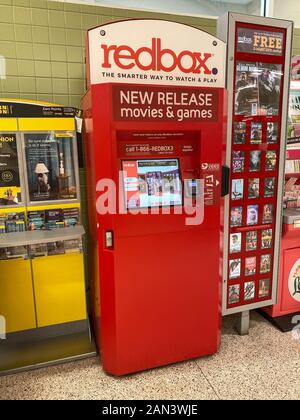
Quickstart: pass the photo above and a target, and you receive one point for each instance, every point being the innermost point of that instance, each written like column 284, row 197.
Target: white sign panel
column 147, row 51
column 294, row 281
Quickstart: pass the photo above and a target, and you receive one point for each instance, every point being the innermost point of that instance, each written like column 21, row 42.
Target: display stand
column 258, row 68
column 42, row 283
column 242, row 325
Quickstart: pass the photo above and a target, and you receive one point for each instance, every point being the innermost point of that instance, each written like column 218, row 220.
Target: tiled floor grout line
column 208, row 381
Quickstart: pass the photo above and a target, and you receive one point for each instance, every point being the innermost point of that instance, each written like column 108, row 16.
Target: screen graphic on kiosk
column 152, row 183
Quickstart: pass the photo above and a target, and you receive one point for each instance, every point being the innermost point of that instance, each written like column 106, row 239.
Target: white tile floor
column 263, row 365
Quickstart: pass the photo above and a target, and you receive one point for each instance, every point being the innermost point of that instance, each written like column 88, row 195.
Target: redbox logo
column 151, row 58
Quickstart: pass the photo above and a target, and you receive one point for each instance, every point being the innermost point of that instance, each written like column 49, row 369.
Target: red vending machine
column 155, row 127
column 258, row 70
column 282, row 313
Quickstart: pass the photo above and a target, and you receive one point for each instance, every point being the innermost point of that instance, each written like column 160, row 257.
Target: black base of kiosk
column 283, row 323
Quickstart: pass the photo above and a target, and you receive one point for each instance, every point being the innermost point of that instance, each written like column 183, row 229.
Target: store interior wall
column 43, row 43
column 287, row 9
column 42, row 46
column 189, row 7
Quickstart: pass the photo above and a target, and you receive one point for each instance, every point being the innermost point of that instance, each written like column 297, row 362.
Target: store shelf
column 40, row 236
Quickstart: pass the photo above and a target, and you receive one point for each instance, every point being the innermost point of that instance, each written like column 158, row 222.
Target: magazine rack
column 42, row 286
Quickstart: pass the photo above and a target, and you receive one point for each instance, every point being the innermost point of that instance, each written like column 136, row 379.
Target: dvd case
column 272, row 132
column 238, row 161
column 271, row 159
column 250, row 266
column 251, row 241
column 267, row 213
column 233, row 294
column 236, row 216
column 234, row 268
column 266, row 238
column 256, row 133
column 237, row 189
column 252, row 214
column 264, row 288
column 253, row 188
column 249, row 290
column 269, row 187
column 235, row 242
column 255, row 159
column 265, row 263
column 239, row 133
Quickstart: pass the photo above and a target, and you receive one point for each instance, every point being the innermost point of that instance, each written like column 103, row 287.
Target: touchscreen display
column 151, row 183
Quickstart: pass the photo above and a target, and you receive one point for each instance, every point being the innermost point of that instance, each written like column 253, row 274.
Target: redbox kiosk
column 282, row 313
column 155, row 126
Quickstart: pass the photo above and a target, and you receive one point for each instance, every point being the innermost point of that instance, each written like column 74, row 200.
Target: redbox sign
column 142, row 103
column 155, row 52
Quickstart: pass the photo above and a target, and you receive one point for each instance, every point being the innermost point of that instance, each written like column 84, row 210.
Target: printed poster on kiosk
column 10, row 189
column 259, row 41
column 50, row 166
column 257, row 88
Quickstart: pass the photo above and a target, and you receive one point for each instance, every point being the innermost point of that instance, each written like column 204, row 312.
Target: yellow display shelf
column 59, row 289
column 16, row 295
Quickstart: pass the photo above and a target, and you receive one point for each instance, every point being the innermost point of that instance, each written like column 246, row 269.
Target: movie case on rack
column 251, row 241
column 235, row 242
column 237, row 189
column 266, row 238
column 249, row 290
column 264, row 288
column 256, row 133
column 252, row 214
column 236, row 216
column 255, row 160
column 265, row 263
column 233, row 294
column 253, row 188
column 269, row 187
column 268, row 213
column 238, row 161
column 250, row 266
column 272, row 132
column 239, row 133
column 235, row 268
column 271, row 160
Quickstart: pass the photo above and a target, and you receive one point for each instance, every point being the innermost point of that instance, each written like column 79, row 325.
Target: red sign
column 126, row 57
column 143, row 103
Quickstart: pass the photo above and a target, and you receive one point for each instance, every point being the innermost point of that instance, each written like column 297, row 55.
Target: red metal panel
column 290, row 255
column 160, row 285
